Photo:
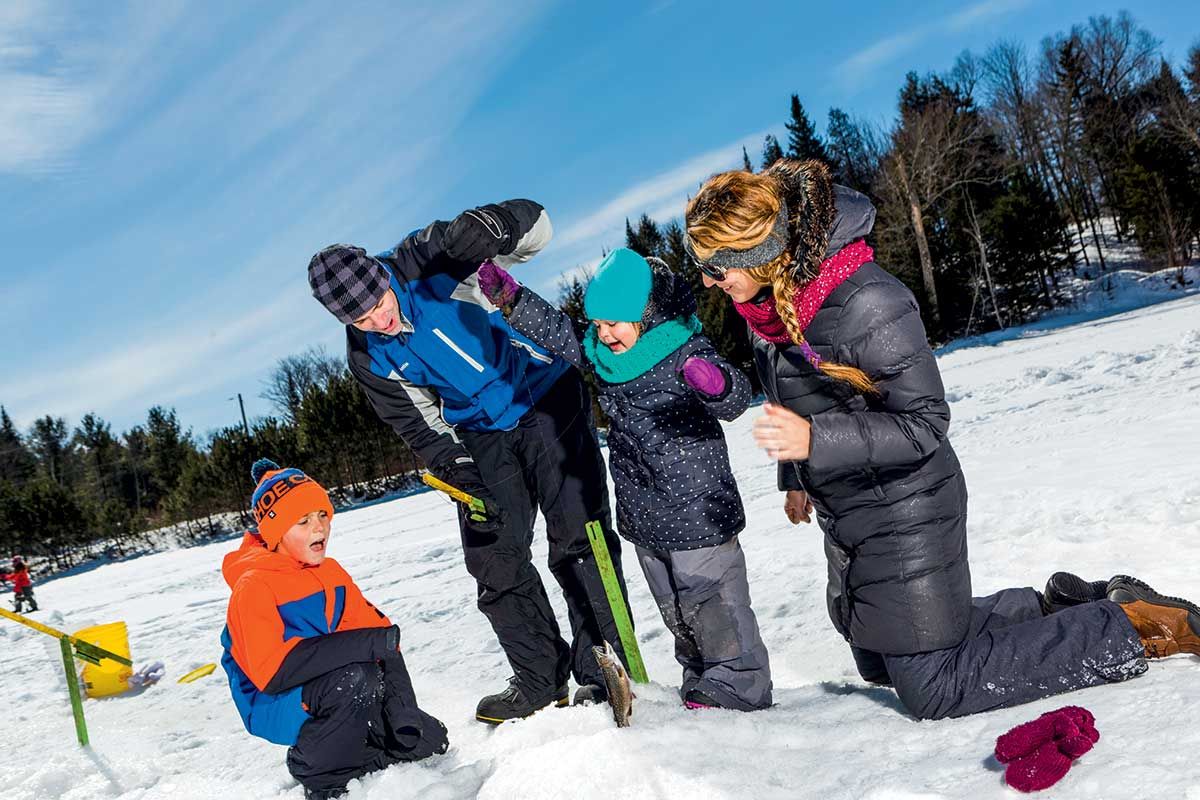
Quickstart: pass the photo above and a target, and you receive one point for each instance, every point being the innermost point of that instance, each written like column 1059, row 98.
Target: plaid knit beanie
column 347, row 281
column 282, row 497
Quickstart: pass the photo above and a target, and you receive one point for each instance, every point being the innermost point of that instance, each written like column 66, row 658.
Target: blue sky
column 167, row 168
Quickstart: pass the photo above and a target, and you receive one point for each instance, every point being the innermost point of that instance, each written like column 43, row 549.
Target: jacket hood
column 853, row 218
column 670, row 296
column 253, row 554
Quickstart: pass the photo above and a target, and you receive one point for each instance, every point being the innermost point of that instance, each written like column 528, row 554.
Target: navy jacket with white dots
column 670, row 467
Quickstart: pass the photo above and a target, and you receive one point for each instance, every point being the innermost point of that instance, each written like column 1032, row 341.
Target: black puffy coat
column 670, row 467
column 886, row 484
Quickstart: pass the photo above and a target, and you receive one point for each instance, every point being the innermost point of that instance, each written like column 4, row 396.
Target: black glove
column 480, row 234
column 466, row 478
column 411, row 733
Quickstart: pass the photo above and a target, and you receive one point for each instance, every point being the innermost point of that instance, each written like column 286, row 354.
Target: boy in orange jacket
column 311, row 663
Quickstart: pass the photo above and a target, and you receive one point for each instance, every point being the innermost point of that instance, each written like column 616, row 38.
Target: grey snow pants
column 705, row 602
column 1012, row 654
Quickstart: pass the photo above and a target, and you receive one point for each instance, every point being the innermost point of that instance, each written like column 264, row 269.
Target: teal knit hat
column 620, row 289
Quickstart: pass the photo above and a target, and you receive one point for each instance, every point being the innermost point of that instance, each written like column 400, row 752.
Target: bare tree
column 294, row 375
column 1019, row 110
column 939, row 147
column 1180, row 109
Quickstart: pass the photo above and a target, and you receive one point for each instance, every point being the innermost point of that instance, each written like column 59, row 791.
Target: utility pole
column 242, row 406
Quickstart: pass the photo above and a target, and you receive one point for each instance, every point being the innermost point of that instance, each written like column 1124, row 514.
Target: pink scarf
column 764, row 320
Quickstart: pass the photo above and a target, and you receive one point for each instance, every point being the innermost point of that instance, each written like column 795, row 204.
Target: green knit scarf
column 651, row 347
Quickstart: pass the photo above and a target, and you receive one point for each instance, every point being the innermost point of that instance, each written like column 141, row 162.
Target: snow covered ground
column 1082, row 450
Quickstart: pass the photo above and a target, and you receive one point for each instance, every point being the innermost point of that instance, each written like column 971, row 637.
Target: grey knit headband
column 764, row 252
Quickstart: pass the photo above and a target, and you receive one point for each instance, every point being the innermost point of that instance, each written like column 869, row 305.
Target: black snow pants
column 25, row 597
column 364, row 718
column 1012, row 654
column 551, row 461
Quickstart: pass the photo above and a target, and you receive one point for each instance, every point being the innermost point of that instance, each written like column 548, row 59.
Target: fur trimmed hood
column 670, row 296
column 822, row 216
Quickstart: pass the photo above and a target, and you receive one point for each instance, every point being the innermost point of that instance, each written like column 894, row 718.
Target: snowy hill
column 1082, row 451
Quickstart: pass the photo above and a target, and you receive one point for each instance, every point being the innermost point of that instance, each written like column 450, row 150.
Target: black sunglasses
column 711, row 270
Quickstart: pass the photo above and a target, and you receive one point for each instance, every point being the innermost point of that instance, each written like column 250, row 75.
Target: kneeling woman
column 858, row 419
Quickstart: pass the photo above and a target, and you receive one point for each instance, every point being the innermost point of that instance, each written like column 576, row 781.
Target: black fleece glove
column 466, row 477
column 411, row 733
column 480, row 234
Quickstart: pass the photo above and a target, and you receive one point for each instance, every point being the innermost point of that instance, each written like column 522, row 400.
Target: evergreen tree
column 772, row 152
column 49, row 442
column 135, row 473
column 646, row 240
column 1028, row 241
column 100, row 452
column 168, row 449
column 17, row 464
column 803, row 141
column 746, row 165
column 849, row 154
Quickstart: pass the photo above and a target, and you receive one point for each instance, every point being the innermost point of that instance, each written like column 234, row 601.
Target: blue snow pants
column 1012, row 654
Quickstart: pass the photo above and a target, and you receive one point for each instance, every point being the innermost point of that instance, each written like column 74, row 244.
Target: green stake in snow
column 73, row 689
column 616, row 601
column 71, row 647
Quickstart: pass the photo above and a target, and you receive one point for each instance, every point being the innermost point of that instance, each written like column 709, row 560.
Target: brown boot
column 1167, row 625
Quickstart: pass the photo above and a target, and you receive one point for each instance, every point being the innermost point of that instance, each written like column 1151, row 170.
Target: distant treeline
column 991, row 186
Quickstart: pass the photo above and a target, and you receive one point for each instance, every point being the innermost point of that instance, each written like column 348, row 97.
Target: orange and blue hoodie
column 288, row 623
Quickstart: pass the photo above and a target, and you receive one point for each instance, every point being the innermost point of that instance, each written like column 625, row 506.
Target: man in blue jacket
column 493, row 414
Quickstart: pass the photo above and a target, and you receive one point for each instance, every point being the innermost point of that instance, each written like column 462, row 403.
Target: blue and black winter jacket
column 456, row 362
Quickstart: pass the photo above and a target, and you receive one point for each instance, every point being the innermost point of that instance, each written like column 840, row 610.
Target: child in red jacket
column 311, row 663
column 22, row 585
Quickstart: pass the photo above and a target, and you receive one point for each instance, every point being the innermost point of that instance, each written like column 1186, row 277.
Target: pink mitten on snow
column 1039, row 753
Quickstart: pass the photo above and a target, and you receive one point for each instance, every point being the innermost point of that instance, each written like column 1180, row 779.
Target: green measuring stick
column 616, row 601
column 73, row 688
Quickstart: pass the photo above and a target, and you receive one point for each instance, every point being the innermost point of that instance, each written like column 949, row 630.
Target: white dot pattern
column 670, row 466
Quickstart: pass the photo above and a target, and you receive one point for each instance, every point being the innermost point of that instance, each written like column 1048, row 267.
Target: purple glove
column 497, row 285
column 704, row 376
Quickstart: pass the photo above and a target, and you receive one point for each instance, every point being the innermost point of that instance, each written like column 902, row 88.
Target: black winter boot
column 512, row 704
column 324, row 794
column 696, row 699
column 1064, row 590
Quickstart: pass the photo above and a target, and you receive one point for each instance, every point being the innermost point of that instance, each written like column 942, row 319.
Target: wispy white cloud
column 973, row 15
column 578, row 242
column 61, row 85
column 149, row 366
column 278, row 150
column 857, row 70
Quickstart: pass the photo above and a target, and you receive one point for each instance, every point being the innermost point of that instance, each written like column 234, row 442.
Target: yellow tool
column 84, row 650
column 197, row 673
column 478, row 512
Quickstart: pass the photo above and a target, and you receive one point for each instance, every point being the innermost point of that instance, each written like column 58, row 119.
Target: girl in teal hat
column 664, row 389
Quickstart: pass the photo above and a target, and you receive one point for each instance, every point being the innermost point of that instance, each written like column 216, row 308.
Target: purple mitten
column 1041, row 770
column 497, row 285
column 1039, row 753
column 704, row 376
column 1025, row 739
